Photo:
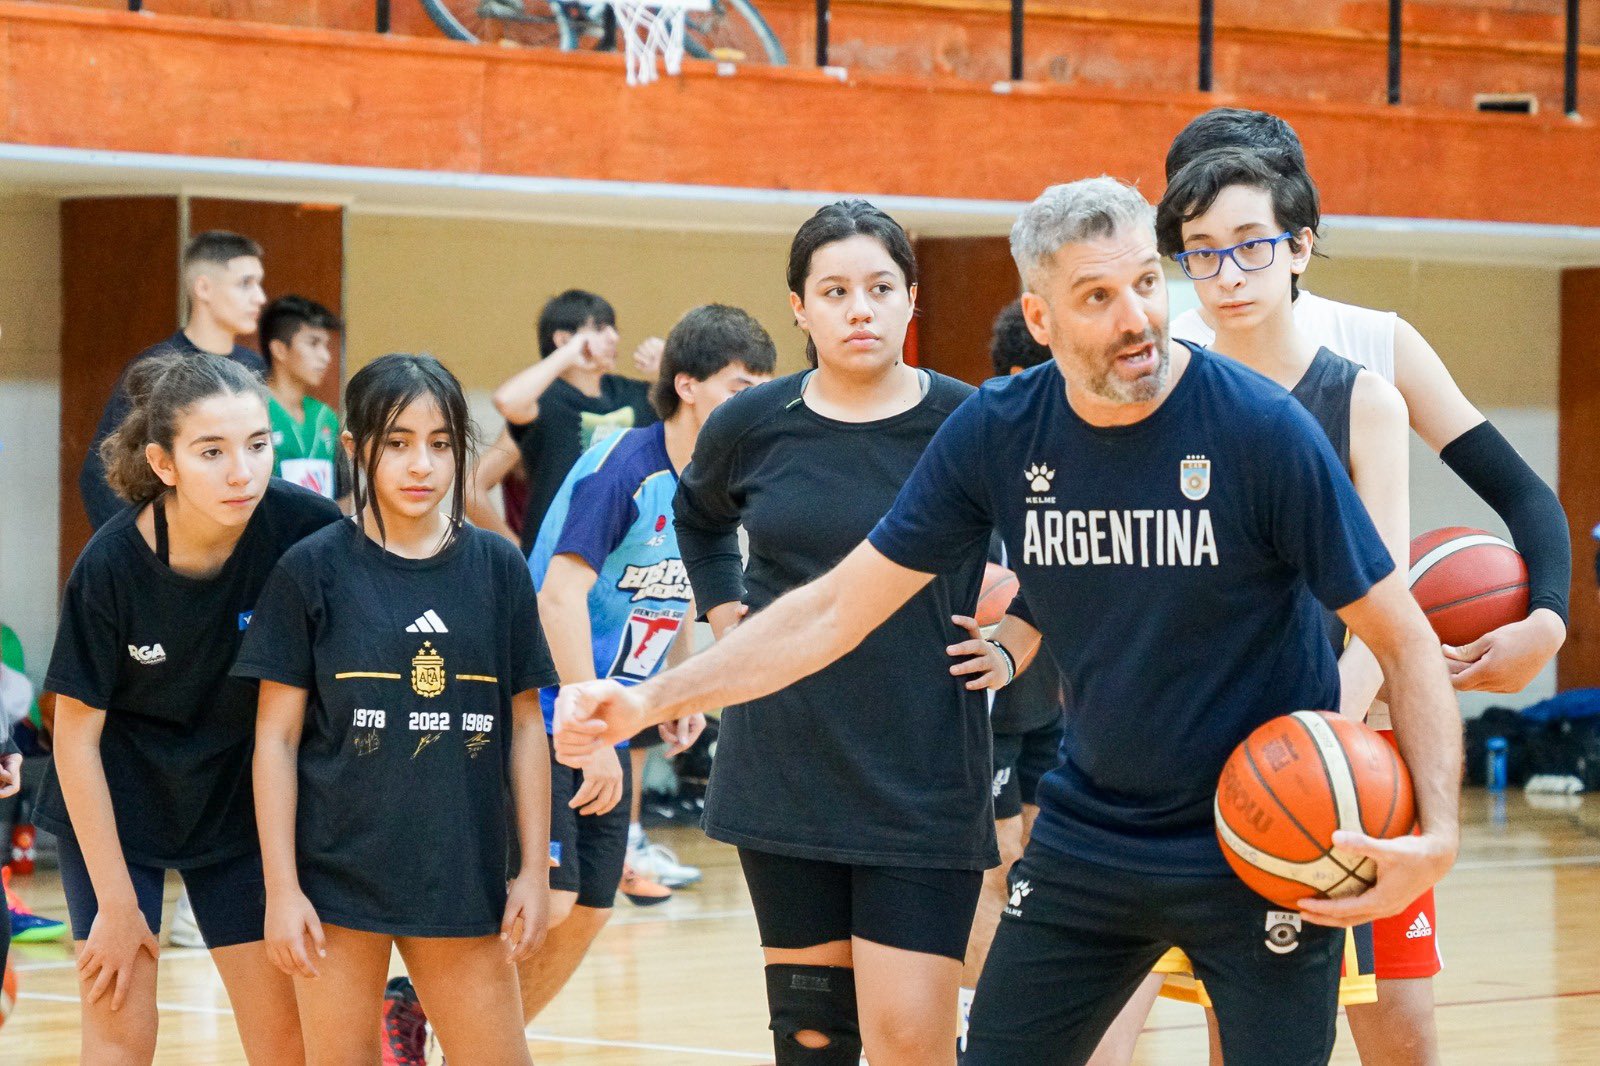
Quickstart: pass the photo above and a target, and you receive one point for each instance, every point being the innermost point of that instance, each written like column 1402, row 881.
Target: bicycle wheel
column 733, row 30
column 534, row 23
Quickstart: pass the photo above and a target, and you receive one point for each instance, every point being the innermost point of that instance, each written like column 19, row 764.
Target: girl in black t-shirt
column 858, row 797
column 400, row 660
column 152, row 737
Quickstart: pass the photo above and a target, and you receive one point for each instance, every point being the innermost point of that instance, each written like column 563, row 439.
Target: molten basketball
column 999, row 589
column 1468, row 582
column 1286, row 789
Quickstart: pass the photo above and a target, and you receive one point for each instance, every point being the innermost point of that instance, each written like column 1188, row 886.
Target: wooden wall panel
column 119, row 294
column 1579, row 468
column 71, row 77
column 303, row 251
column 963, row 284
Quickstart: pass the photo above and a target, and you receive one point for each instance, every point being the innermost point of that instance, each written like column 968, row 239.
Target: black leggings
column 800, row 903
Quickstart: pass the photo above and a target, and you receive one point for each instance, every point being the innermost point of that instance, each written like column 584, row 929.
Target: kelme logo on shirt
column 148, row 655
column 427, row 672
column 1039, row 477
column 666, row 580
column 1194, row 477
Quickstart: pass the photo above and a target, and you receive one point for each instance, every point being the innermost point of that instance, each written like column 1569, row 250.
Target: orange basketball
column 1286, row 789
column 999, row 589
column 1468, row 582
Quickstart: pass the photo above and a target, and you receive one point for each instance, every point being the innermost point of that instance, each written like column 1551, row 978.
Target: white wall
column 30, row 417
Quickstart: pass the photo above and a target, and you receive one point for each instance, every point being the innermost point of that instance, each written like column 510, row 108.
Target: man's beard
column 1108, row 386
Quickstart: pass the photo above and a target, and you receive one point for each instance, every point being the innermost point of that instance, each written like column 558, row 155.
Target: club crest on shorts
column 427, row 672
column 1283, row 931
column 1194, row 477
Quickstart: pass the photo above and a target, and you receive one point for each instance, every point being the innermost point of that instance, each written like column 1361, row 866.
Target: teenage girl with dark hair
column 400, row 659
column 858, row 797
column 152, row 737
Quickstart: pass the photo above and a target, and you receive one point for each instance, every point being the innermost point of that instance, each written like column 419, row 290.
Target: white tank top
column 1360, row 334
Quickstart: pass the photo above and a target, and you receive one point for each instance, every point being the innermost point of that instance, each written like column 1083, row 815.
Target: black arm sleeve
column 98, row 499
column 1491, row 467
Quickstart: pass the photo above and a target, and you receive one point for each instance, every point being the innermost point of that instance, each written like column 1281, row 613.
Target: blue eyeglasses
column 1257, row 253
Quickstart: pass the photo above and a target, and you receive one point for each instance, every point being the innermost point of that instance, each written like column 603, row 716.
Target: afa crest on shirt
column 1194, row 477
column 427, row 672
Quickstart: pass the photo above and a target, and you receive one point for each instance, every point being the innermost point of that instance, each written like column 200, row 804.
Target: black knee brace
column 818, row 999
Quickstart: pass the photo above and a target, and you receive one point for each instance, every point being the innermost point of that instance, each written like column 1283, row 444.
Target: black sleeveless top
column 1325, row 390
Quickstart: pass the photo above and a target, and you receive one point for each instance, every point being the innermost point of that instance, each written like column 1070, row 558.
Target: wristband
column 1011, row 664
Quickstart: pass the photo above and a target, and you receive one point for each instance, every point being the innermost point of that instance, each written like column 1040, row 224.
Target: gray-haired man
column 1174, row 520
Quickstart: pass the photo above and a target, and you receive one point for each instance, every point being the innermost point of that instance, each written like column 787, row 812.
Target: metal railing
column 1205, row 48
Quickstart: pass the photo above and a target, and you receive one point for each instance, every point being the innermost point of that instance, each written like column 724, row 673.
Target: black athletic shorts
column 229, row 897
column 800, row 903
column 1077, row 938
column 587, row 850
column 1020, row 760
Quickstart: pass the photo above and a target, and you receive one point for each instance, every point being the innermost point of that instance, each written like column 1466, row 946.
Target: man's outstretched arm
column 799, row 634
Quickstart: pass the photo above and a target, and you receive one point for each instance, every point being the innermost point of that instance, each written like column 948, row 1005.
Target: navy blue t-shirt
column 1174, row 567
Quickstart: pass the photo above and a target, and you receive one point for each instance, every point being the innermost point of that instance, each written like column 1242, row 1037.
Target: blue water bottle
column 1494, row 777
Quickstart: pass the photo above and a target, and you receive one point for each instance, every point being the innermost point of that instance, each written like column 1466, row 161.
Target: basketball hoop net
column 651, row 28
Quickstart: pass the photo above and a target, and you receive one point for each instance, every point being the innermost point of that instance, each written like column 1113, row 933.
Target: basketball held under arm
column 1427, row 726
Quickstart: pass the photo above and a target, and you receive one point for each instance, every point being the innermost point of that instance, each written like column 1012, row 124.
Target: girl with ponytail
column 152, row 737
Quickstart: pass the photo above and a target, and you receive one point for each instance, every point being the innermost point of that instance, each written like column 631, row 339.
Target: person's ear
column 348, row 442
column 162, row 463
column 1036, row 314
column 798, row 306
column 683, row 384
column 560, row 337
column 277, row 351
column 1304, row 240
column 913, row 294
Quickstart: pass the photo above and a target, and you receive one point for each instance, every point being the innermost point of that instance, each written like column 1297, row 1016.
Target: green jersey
column 304, row 451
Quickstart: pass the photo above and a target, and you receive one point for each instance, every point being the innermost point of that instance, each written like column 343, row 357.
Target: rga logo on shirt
column 666, row 580
column 148, row 655
column 1283, row 931
column 1194, row 477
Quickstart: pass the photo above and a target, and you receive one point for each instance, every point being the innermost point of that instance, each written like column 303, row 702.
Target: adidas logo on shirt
column 428, row 623
column 149, row 655
column 1419, row 928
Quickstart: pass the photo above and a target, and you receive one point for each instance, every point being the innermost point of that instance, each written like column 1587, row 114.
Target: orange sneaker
column 640, row 890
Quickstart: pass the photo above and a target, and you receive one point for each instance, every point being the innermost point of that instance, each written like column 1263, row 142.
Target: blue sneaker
column 29, row 928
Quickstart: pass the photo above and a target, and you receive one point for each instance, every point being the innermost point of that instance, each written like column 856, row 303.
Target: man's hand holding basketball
column 1407, row 867
column 590, row 714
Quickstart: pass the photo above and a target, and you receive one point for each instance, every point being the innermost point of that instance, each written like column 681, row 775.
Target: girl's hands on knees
column 293, row 932
column 118, row 935
column 527, row 915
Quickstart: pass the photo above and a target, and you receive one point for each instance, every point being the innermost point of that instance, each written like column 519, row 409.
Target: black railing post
column 135, row 5
column 1394, row 51
column 382, row 16
column 1571, row 79
column 1016, row 39
column 822, row 32
column 1208, row 32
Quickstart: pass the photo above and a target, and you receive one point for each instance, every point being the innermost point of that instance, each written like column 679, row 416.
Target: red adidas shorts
column 1406, row 945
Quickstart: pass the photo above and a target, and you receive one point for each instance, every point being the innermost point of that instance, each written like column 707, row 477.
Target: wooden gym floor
column 681, row 983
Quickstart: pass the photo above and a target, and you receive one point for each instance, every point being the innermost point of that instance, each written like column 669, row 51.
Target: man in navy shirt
column 1174, row 520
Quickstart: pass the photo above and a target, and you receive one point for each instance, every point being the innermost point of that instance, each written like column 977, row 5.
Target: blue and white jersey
column 614, row 511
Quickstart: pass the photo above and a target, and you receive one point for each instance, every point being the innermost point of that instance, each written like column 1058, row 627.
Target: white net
column 651, row 29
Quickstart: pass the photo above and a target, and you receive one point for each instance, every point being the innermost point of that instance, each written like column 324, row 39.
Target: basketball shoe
column 660, row 863
column 26, row 926
column 405, row 1027
column 641, row 890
